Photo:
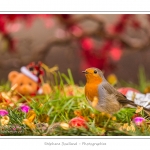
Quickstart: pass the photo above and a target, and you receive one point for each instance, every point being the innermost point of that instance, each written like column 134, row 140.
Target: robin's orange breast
column 91, row 91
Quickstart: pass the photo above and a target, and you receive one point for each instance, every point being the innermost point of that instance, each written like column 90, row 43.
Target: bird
column 102, row 95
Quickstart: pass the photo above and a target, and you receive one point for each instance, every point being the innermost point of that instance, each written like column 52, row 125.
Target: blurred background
column 114, row 43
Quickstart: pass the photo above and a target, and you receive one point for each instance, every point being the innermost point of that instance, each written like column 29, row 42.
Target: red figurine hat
column 33, row 71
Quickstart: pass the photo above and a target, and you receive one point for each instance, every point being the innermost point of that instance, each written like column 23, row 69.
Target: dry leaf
column 139, row 109
column 95, row 101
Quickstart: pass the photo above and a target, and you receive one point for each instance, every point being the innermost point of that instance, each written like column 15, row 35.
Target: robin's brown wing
column 111, row 90
column 120, row 97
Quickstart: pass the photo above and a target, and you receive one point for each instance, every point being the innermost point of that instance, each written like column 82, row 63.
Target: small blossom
column 4, row 120
column 64, row 125
column 78, row 122
column 139, row 109
column 3, row 112
column 25, row 108
column 127, row 127
column 138, row 120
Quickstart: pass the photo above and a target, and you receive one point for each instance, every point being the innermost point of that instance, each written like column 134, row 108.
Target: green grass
column 53, row 109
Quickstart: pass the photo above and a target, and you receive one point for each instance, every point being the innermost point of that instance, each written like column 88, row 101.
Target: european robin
column 103, row 96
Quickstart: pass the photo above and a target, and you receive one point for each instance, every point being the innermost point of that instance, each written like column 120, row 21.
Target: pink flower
column 3, row 112
column 25, row 108
column 78, row 122
column 138, row 120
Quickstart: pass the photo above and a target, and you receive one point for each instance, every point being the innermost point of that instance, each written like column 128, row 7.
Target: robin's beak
column 85, row 72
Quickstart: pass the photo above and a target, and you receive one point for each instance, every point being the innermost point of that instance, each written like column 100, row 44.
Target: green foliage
column 61, row 107
column 143, row 81
column 16, row 116
column 125, row 115
column 4, row 86
column 69, row 79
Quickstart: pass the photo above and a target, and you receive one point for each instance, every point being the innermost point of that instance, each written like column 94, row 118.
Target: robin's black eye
column 95, row 71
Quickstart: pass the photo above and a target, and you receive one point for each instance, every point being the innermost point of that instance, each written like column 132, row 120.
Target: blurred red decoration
column 76, row 30
column 120, row 26
column 10, row 23
column 103, row 56
column 124, row 90
column 87, row 44
column 115, row 53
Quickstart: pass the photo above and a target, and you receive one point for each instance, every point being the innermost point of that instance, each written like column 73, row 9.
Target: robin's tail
column 129, row 103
